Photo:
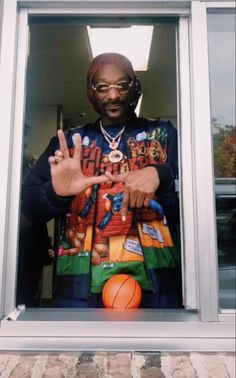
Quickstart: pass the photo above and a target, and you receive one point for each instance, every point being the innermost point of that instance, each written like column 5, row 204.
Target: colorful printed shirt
column 95, row 243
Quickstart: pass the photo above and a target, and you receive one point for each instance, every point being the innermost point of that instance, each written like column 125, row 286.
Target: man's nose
column 113, row 93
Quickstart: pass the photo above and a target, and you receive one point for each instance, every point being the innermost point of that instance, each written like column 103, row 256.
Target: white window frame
column 70, row 329
column 217, row 7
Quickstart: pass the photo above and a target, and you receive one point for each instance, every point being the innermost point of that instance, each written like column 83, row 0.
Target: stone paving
column 117, row 365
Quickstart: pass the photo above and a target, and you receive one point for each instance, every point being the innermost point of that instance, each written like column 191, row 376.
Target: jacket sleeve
column 168, row 173
column 39, row 201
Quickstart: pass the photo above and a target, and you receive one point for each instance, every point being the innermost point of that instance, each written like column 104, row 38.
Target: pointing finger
column 96, row 180
column 110, row 176
column 63, row 143
column 118, row 178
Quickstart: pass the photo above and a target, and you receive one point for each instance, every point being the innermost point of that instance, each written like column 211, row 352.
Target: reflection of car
column 225, row 193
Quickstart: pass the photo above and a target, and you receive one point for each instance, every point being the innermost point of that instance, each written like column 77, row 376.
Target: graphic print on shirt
column 94, row 227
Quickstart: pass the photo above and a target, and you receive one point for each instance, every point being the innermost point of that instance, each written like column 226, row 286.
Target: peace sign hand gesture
column 66, row 174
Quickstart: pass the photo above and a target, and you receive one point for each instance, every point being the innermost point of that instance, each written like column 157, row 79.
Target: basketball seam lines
column 132, row 295
column 120, row 289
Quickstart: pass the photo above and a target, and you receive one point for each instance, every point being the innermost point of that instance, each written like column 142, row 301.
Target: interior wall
column 41, row 124
column 159, row 83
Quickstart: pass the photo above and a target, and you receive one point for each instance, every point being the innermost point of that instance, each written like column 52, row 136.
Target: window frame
column 212, row 9
column 60, row 329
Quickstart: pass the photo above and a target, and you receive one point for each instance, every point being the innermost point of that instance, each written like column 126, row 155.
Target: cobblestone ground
column 117, row 365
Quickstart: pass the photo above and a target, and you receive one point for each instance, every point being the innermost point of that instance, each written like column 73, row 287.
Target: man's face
column 113, row 104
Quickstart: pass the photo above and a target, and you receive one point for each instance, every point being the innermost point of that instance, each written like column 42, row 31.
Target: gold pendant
column 115, row 156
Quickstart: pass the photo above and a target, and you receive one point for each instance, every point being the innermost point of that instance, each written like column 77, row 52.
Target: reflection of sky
column 221, row 31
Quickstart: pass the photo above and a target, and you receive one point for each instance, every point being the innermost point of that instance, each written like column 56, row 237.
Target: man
column 101, row 178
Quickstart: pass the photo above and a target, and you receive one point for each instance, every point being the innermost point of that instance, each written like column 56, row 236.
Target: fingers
column 119, row 178
column 77, row 150
column 58, row 156
column 126, row 196
column 136, row 200
column 134, row 195
column 63, row 152
column 52, row 160
column 125, row 205
column 63, row 144
column 147, row 201
column 110, row 176
column 95, row 180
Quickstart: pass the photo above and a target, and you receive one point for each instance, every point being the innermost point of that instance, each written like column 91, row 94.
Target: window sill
column 88, row 330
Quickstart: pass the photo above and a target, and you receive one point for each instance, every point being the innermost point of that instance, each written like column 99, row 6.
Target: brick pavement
column 117, row 365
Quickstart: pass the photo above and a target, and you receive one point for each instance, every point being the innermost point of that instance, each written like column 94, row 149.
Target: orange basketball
column 121, row 291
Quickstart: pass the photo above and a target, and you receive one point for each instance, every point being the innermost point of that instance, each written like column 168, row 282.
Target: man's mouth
column 113, row 106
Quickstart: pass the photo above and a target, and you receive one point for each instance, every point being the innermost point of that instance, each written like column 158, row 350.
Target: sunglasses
column 104, row 88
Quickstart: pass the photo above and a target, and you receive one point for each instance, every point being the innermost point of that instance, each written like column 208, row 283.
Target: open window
column 60, row 50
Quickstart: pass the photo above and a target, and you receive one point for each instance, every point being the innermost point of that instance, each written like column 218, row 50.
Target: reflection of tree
column 224, row 141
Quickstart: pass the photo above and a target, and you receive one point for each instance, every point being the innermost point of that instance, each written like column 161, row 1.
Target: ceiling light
column 134, row 42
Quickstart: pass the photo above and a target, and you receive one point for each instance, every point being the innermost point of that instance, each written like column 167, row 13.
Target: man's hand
column 67, row 177
column 139, row 187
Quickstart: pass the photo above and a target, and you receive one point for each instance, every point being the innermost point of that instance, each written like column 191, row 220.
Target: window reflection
column 221, row 33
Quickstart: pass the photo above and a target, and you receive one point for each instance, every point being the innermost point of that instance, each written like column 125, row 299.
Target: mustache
column 113, row 102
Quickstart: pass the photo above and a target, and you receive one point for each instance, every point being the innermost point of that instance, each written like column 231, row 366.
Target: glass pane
column 97, row 248
column 221, row 34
